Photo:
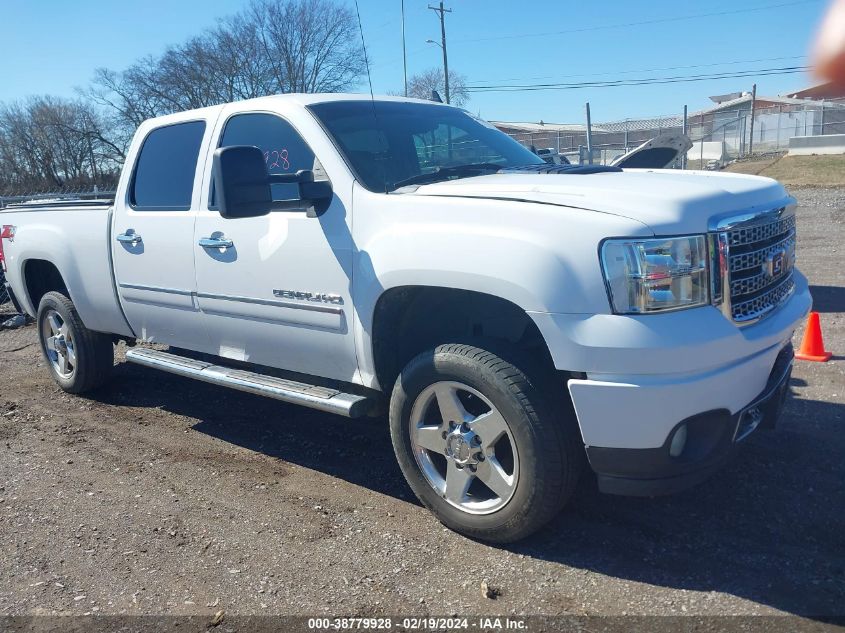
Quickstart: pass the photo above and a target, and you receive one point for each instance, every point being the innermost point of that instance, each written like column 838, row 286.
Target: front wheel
column 480, row 445
column 79, row 359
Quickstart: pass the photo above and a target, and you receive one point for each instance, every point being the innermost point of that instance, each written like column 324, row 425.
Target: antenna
column 372, row 96
column 366, row 60
column 404, row 56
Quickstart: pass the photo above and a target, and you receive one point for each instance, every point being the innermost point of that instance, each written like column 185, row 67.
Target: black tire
column 94, row 351
column 550, row 453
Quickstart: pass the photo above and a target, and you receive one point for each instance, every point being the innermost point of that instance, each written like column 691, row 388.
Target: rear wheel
column 480, row 445
column 78, row 358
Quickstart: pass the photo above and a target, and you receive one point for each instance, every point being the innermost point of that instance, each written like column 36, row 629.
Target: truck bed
column 75, row 237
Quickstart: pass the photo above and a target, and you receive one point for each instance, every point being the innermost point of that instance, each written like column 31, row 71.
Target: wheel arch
column 409, row 319
column 39, row 277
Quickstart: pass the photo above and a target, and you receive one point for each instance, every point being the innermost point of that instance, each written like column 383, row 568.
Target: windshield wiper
column 442, row 173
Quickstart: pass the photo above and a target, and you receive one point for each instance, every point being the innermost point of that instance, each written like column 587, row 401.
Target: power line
column 678, row 18
column 641, row 82
column 645, row 79
column 757, row 73
column 642, row 70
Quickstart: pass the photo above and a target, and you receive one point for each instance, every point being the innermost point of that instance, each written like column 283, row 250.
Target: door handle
column 130, row 238
column 216, row 242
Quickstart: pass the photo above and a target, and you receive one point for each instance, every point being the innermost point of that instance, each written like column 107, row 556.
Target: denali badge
column 316, row 297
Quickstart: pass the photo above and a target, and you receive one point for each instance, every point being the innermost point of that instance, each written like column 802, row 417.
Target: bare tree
column 125, row 100
column 273, row 46
column 313, row 45
column 421, row 85
column 239, row 52
column 51, row 143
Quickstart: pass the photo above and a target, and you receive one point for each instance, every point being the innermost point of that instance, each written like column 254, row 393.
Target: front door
column 275, row 290
column 152, row 237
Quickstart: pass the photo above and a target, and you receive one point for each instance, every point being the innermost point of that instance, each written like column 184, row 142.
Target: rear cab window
column 163, row 179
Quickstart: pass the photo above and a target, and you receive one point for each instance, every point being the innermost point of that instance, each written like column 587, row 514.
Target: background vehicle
column 354, row 256
column 552, row 157
column 660, row 152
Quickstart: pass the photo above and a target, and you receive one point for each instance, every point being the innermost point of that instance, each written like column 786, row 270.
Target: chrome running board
column 313, row 396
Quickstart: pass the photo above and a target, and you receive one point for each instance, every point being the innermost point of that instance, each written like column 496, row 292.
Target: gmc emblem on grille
column 775, row 263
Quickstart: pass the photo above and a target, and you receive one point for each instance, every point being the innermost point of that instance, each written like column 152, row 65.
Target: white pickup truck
column 516, row 319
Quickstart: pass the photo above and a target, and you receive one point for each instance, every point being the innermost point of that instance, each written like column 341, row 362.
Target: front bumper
column 641, row 377
column 711, row 438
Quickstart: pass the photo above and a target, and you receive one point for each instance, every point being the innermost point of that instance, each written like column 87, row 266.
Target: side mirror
column 241, row 182
column 318, row 193
column 243, row 185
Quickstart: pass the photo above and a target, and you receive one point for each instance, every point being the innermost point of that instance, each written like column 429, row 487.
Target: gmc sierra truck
column 515, row 320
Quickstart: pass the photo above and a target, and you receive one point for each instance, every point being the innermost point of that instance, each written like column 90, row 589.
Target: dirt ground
column 161, row 495
column 797, row 171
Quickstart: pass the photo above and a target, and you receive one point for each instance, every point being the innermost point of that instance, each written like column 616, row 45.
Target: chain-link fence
column 732, row 127
column 6, row 305
column 773, row 126
column 69, row 194
column 609, row 140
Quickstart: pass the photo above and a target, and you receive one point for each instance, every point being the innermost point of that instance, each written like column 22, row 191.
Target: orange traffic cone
column 812, row 345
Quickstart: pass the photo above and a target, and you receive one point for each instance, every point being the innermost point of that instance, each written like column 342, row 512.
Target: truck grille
column 757, row 262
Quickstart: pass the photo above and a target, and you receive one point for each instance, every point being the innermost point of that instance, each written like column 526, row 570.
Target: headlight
column 657, row 274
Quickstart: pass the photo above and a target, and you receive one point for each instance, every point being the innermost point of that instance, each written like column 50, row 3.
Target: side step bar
column 321, row 398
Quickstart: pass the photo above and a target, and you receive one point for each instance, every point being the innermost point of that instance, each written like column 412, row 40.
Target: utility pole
column 404, row 56
column 686, row 133
column 589, row 136
column 753, row 105
column 440, row 10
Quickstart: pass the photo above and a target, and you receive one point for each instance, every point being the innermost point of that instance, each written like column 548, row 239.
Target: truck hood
column 668, row 201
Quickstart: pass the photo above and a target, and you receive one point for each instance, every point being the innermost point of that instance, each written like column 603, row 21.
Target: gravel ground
column 161, row 495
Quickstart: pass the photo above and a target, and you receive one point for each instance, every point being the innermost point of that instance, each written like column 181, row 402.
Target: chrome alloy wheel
column 59, row 344
column 464, row 447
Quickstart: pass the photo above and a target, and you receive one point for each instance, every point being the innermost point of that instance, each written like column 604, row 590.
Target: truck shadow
column 768, row 528
column 322, row 442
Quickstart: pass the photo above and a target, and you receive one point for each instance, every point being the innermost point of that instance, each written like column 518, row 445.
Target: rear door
column 152, row 235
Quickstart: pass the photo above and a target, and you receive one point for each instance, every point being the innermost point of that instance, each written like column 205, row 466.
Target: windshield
column 390, row 144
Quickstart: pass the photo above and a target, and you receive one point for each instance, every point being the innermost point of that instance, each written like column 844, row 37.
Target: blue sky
column 52, row 46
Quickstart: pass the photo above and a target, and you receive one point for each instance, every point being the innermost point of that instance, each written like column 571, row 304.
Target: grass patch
column 797, row 171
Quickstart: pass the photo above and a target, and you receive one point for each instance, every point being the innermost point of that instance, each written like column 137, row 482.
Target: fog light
column 679, row 441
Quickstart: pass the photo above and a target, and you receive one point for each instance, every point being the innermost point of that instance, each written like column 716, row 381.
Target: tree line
column 50, row 143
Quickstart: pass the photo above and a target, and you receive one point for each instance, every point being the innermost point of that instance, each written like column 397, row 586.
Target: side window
column 164, row 172
column 285, row 151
